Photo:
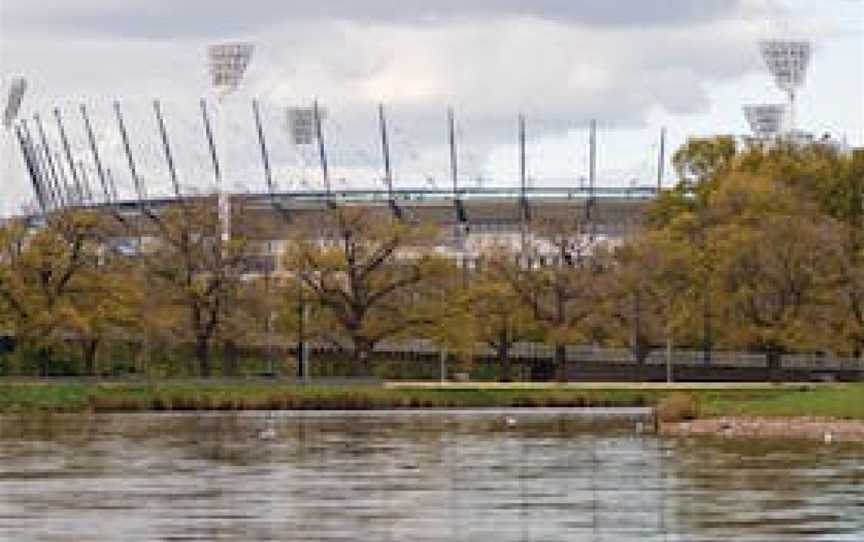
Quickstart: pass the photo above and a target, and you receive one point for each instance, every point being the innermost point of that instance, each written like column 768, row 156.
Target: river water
column 413, row 476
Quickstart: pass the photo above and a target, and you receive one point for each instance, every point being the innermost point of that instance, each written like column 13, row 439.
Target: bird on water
column 268, row 433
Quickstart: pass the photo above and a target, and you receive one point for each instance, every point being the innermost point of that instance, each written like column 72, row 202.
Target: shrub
column 678, row 407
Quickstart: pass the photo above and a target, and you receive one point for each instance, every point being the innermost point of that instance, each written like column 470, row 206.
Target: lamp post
column 302, row 359
column 17, row 88
column 228, row 62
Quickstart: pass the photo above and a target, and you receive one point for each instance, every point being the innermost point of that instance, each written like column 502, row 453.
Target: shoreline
column 818, row 429
column 748, row 408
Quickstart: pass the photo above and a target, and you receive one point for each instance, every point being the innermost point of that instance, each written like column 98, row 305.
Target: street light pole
column 301, row 332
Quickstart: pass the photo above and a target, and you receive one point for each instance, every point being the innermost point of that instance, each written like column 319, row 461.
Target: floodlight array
column 787, row 60
column 766, row 120
column 228, row 62
column 17, row 88
column 301, row 124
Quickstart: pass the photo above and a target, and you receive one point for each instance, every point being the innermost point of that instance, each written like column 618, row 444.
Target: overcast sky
column 632, row 65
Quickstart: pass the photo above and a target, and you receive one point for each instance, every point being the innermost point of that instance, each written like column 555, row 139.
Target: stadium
column 133, row 166
column 124, row 160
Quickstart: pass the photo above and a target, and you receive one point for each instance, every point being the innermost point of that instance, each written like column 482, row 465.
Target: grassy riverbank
column 262, row 395
column 845, row 401
column 836, row 401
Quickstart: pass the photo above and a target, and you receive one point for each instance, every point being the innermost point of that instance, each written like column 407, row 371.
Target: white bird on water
column 269, row 433
column 827, row 437
column 510, row 421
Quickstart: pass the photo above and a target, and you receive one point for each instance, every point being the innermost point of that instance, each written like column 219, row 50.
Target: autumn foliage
column 757, row 248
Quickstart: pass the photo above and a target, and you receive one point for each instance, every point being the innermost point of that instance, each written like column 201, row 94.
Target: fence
column 423, row 359
column 587, row 353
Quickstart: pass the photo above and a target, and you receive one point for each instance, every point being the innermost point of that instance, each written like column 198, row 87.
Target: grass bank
column 844, row 401
column 180, row 396
column 748, row 399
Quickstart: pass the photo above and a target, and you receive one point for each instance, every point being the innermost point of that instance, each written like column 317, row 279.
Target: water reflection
column 412, row 476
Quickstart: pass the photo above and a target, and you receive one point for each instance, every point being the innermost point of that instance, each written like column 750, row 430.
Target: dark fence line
column 422, row 360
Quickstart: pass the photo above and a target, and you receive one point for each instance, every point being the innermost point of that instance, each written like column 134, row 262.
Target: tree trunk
column 43, row 359
column 89, row 349
column 230, row 364
column 861, row 363
column 669, row 375
column 202, row 355
column 639, row 351
column 363, row 354
column 504, row 358
column 774, row 364
column 561, row 362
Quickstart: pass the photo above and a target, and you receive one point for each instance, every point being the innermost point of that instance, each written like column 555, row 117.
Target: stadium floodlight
column 787, row 60
column 228, row 63
column 17, row 88
column 301, row 125
column 765, row 120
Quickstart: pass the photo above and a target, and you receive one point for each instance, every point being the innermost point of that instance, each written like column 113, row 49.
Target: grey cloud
column 196, row 18
column 560, row 63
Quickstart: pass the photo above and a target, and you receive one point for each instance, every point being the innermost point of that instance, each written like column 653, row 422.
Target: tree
column 770, row 284
column 501, row 318
column 556, row 278
column 57, row 284
column 108, row 308
column 367, row 272
column 847, row 264
column 195, row 275
column 772, row 248
column 452, row 321
column 702, row 160
column 650, row 293
column 700, row 164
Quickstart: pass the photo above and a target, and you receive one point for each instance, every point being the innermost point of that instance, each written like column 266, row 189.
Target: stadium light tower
column 228, row 63
column 787, row 60
column 17, row 88
column 765, row 120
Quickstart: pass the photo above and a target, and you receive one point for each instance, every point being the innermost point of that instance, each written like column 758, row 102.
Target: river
column 483, row 475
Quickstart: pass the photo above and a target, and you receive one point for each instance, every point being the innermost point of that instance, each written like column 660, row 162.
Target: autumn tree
column 500, row 316
column 773, row 249
column 650, row 294
column 770, row 285
column 556, row 277
column 452, row 321
column 60, row 281
column 846, row 271
column 367, row 272
column 194, row 274
column 109, row 309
